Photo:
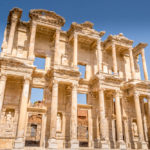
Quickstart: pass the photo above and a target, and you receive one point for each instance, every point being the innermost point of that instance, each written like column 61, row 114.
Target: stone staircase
column 39, row 148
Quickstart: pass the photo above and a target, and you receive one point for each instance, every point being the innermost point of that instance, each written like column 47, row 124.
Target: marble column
column 132, row 64
column 42, row 140
column 103, row 124
column 148, row 113
column 142, row 144
column 33, row 26
column 114, row 57
column 90, row 129
column 75, row 50
column 47, row 63
column 14, row 21
column 3, row 79
column 52, row 143
column 120, row 142
column 99, row 55
column 73, row 121
column 56, row 53
column 144, row 65
column 19, row 142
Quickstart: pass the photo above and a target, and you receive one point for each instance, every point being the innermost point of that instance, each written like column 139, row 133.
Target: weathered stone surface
column 117, row 113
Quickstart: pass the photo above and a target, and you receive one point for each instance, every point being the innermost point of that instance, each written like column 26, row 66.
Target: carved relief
column 7, row 123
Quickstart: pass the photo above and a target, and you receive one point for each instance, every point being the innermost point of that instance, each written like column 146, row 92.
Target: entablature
column 120, row 41
column 138, row 49
column 141, row 87
column 86, row 33
column 13, row 67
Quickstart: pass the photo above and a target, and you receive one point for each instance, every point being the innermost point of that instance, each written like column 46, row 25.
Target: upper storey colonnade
column 83, row 33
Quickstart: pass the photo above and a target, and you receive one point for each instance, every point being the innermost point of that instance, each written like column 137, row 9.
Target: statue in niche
column 3, row 118
column 134, row 129
column 59, row 122
column 64, row 60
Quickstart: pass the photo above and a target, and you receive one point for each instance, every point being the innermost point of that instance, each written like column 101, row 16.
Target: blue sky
column 130, row 17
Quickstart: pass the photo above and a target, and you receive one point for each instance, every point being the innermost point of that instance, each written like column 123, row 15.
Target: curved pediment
column 47, row 16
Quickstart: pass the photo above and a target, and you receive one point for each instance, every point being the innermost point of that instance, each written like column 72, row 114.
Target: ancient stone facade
column 117, row 113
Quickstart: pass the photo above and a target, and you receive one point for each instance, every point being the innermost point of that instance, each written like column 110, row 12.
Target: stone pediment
column 46, row 16
column 84, row 28
column 120, row 38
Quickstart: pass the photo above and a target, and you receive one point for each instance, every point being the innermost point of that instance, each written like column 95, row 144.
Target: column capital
column 130, row 48
column 148, row 97
column 75, row 34
column 101, row 89
column 98, row 41
column 117, row 93
column 74, row 86
column 14, row 20
column 55, row 82
column 136, row 94
column 3, row 77
column 27, row 78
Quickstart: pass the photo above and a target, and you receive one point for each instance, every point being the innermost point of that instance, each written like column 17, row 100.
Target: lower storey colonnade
column 108, row 120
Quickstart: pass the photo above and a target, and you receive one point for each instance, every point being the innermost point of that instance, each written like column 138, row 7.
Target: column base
column 142, row 145
column 52, row 144
column 74, row 144
column 96, row 143
column 19, row 144
column 121, row 145
column 91, row 144
column 104, row 144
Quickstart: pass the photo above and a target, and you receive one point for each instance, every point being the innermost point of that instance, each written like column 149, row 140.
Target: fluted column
column 103, row 124
column 42, row 140
column 132, row 63
column 56, row 53
column 99, row 55
column 75, row 50
column 19, row 142
column 142, row 144
column 138, row 116
column 120, row 142
column 114, row 57
column 144, row 65
column 14, row 21
column 73, row 125
column 3, row 79
column 33, row 26
column 148, row 114
column 53, row 120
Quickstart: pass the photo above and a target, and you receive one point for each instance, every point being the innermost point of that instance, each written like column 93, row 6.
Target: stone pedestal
column 74, row 144
column 52, row 144
column 121, row 145
column 104, row 144
column 19, row 144
column 142, row 145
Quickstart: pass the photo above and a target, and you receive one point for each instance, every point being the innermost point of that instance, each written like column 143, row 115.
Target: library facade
column 116, row 113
